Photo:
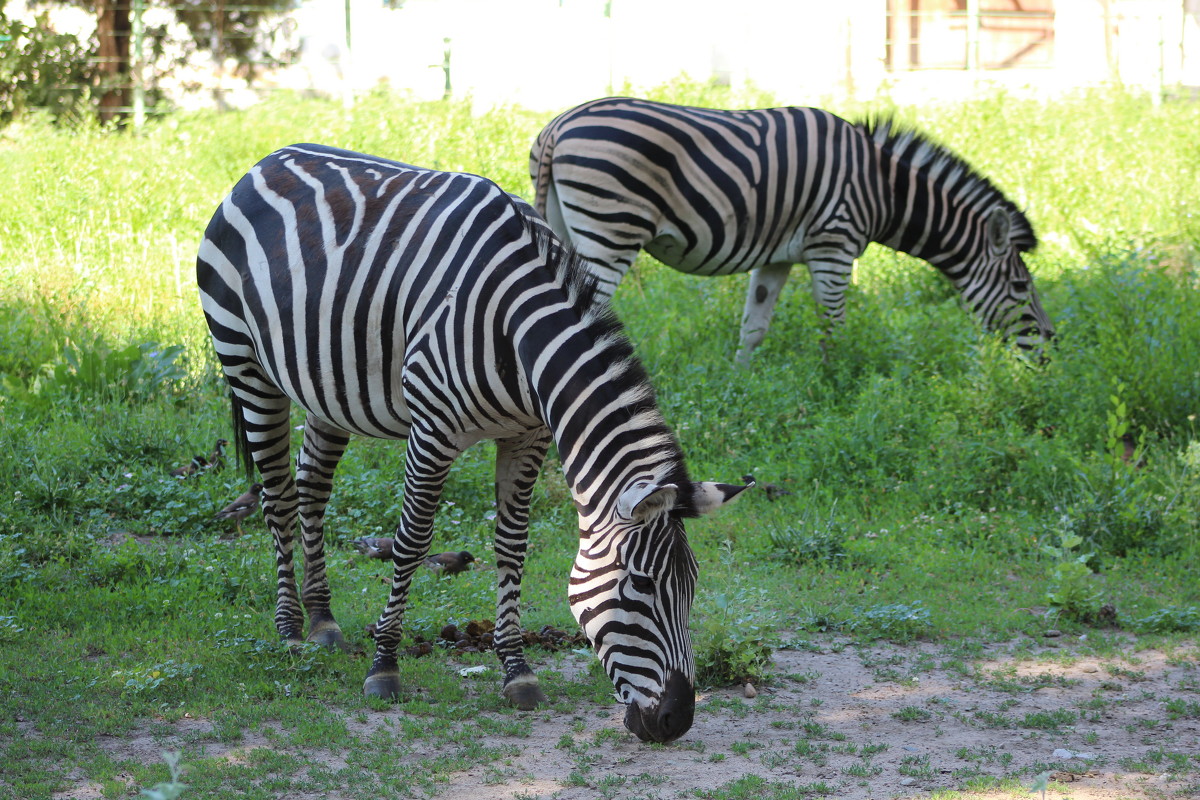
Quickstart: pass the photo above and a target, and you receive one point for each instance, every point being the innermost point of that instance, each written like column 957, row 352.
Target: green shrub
column 1071, row 588
column 1172, row 619
column 731, row 637
column 811, row 540
column 92, row 370
column 896, row 621
column 41, row 68
column 171, row 788
column 1118, row 508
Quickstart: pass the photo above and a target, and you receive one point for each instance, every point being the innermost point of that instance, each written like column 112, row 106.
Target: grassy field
column 940, row 489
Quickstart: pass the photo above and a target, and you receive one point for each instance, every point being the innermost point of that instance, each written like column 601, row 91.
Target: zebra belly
column 671, row 251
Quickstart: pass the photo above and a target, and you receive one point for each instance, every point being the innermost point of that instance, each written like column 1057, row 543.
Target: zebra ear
column 998, row 227
column 708, row 496
column 643, row 500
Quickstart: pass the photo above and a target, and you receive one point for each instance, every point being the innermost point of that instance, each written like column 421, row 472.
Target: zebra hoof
column 384, row 685
column 524, row 693
column 328, row 635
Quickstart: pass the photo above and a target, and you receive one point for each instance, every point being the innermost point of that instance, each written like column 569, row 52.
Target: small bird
column 449, row 563
column 216, row 462
column 243, row 507
column 374, row 547
column 774, row 491
column 1129, row 449
column 445, row 563
column 196, row 465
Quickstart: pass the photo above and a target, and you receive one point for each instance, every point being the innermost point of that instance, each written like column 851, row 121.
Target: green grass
column 928, row 465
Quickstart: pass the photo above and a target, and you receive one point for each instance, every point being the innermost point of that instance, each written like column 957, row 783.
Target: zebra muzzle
column 669, row 718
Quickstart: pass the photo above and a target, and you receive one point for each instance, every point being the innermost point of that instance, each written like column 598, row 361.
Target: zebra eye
column 641, row 584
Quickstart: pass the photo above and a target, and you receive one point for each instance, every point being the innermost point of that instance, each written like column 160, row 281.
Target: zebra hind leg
column 323, row 448
column 266, row 416
column 518, row 462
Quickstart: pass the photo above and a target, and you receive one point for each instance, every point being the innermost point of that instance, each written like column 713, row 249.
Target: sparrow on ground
column 449, row 563
column 243, row 507
column 374, row 547
column 216, row 462
column 1129, row 447
column 445, row 563
column 197, row 464
column 774, row 491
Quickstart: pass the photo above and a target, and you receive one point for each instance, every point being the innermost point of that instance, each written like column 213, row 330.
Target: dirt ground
column 851, row 722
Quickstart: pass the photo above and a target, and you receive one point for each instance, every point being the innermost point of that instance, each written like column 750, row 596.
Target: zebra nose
column 676, row 709
column 669, row 718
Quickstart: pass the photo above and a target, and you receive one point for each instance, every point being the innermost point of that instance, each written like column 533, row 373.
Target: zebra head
column 1000, row 291
column 631, row 591
column 945, row 212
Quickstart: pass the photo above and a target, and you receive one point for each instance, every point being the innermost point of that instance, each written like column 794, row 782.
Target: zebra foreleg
column 518, row 462
column 761, row 295
column 323, row 448
column 426, row 464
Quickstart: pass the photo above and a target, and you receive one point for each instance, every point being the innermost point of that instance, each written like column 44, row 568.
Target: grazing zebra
column 717, row 192
column 402, row 303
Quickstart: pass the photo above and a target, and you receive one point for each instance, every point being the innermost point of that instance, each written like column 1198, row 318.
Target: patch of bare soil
column 861, row 722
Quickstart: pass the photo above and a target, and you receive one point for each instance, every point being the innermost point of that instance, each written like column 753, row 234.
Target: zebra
column 713, row 192
column 396, row 302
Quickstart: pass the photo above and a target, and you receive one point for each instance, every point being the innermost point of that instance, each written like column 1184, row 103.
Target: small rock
column 1053, row 633
column 749, row 691
column 1090, row 668
column 907, row 781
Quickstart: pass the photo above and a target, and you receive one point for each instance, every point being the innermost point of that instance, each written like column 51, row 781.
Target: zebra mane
column 626, row 370
column 914, row 149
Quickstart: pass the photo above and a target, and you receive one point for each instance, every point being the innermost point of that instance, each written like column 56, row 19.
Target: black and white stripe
column 714, row 192
column 403, row 303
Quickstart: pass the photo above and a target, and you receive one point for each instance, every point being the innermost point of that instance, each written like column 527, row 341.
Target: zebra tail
column 542, row 155
column 241, row 441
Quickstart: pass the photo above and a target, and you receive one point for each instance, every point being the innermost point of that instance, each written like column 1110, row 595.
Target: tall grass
column 908, row 400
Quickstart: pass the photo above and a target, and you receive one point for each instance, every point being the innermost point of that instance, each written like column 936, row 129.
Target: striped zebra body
column 714, row 192
column 401, row 303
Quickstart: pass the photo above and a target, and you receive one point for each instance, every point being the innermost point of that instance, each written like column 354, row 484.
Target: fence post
column 972, row 35
column 138, row 30
column 348, row 67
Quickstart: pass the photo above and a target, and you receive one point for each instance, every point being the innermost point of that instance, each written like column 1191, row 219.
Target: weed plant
column 928, row 463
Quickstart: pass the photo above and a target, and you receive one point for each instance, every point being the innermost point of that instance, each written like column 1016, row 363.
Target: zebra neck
column 932, row 197
column 600, row 409
column 917, row 211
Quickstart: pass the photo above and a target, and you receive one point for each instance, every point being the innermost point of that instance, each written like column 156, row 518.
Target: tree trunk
column 113, row 29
